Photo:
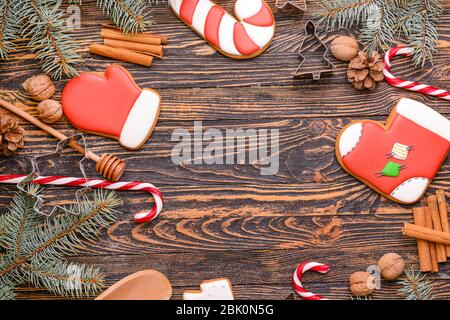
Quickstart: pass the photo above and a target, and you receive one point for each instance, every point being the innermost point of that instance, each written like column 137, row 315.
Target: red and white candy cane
column 409, row 85
column 298, row 274
column 243, row 38
column 97, row 184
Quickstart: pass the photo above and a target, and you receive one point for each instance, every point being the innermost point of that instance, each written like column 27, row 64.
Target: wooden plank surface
column 228, row 220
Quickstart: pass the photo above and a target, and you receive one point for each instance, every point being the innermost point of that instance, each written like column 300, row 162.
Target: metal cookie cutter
column 22, row 186
column 297, row 4
column 314, row 62
column 85, row 183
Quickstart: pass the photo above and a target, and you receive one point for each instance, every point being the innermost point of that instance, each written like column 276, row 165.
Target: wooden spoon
column 142, row 285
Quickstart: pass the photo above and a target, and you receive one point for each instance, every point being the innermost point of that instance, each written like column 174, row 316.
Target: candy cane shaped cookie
column 244, row 38
column 298, row 274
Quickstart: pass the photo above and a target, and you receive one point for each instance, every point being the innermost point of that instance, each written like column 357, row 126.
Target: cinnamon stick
column 443, row 213
column 146, row 38
column 429, row 224
column 440, row 248
column 154, row 50
column 121, row 54
column 423, row 247
column 418, row 232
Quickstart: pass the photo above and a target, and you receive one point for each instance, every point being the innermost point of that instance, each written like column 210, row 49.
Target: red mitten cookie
column 399, row 159
column 112, row 105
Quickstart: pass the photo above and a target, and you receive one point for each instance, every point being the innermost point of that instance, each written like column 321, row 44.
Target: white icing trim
column 349, row 138
column 211, row 290
column 226, row 33
column 424, row 116
column 410, row 190
column 140, row 120
column 200, row 15
column 176, row 5
column 261, row 36
column 247, row 8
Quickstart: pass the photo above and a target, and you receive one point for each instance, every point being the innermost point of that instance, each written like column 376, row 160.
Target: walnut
column 391, row 266
column 362, row 284
column 39, row 87
column 49, row 111
column 344, row 48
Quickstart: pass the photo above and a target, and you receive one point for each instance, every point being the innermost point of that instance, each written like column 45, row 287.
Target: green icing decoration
column 391, row 169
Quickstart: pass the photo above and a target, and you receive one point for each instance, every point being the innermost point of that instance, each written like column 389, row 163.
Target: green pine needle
column 415, row 286
column 8, row 28
column 343, row 14
column 34, row 247
column 43, row 21
column 420, row 29
column 128, row 15
column 63, row 278
column 385, row 22
column 6, row 293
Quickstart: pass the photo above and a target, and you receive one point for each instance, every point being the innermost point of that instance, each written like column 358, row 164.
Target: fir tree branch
column 7, row 283
column 64, row 278
column 43, row 22
column 415, row 286
column 6, row 293
column 372, row 35
column 343, row 14
column 17, row 225
column 8, row 28
column 48, row 241
column 420, row 30
column 128, row 15
column 380, row 20
column 379, row 30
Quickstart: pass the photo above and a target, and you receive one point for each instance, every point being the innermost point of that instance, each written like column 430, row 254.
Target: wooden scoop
column 142, row 285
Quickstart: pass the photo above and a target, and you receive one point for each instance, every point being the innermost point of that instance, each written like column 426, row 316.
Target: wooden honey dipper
column 107, row 165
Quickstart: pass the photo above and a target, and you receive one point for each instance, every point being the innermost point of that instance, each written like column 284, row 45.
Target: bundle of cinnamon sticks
column 431, row 229
column 138, row 48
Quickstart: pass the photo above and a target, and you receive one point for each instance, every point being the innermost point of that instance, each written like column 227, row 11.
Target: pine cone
column 365, row 70
column 11, row 135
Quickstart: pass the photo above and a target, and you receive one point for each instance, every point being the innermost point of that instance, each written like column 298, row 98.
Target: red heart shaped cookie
column 112, row 105
column 398, row 159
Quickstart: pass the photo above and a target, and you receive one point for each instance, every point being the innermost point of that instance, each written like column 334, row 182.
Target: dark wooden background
column 229, row 221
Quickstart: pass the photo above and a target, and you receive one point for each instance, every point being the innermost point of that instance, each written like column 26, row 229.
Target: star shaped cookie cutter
column 297, row 4
column 314, row 70
column 22, row 186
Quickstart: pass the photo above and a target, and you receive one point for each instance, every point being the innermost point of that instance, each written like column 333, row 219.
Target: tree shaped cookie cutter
column 309, row 62
column 297, row 4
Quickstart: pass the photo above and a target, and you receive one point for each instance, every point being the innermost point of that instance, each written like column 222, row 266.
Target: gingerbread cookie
column 217, row 289
column 244, row 38
column 398, row 159
column 112, row 105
